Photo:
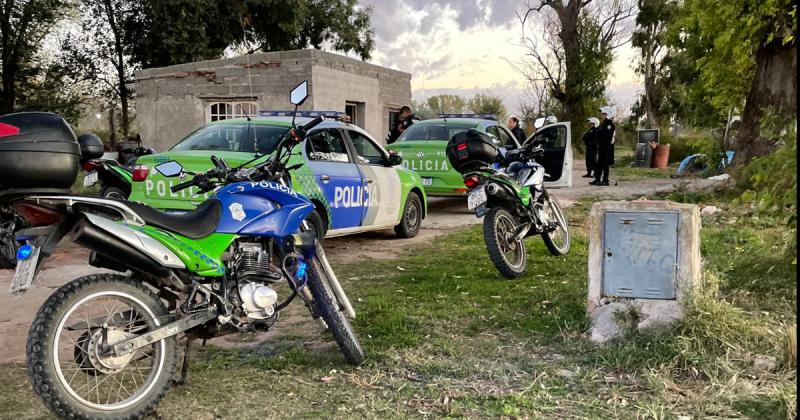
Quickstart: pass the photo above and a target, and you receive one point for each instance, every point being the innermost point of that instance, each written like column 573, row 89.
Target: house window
column 225, row 110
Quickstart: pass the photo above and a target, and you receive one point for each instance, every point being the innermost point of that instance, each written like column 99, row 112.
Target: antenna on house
column 250, row 83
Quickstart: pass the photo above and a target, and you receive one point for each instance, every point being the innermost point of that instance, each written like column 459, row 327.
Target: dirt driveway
column 445, row 214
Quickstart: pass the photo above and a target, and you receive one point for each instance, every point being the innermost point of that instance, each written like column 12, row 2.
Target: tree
column 23, row 26
column 576, row 48
column 487, row 103
column 179, row 31
column 446, row 103
column 742, row 50
column 650, row 38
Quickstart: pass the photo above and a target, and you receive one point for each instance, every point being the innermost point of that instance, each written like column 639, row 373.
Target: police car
column 423, row 149
column 354, row 183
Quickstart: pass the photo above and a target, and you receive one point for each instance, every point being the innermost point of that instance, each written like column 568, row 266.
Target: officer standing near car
column 590, row 140
column 404, row 120
column 516, row 130
column 605, row 134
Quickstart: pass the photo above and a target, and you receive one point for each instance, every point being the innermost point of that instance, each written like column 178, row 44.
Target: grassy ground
column 448, row 337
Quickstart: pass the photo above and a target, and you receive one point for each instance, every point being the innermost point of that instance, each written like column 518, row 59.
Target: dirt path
column 444, row 214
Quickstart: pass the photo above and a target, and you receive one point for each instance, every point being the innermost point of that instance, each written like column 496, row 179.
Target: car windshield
column 440, row 131
column 248, row 138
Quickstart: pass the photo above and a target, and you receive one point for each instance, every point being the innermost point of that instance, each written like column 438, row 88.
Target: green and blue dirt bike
column 507, row 189
column 105, row 346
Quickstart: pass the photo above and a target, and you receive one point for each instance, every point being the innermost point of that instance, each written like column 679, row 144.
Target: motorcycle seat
column 195, row 224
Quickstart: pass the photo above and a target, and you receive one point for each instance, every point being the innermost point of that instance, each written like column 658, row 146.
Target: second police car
column 423, row 149
column 354, row 183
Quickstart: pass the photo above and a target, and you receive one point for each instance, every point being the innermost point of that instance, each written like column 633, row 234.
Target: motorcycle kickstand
column 185, row 365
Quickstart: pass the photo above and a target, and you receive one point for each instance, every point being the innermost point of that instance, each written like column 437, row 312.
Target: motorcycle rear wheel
column 508, row 255
column 326, row 306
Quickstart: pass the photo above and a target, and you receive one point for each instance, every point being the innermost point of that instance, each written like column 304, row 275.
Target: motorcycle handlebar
column 182, row 186
column 313, row 123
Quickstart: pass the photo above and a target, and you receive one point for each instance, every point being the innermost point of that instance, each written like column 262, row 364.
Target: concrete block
column 647, row 313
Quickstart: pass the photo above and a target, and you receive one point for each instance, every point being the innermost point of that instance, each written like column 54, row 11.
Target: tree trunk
column 569, row 39
column 112, row 129
column 774, row 91
column 123, row 96
column 649, row 92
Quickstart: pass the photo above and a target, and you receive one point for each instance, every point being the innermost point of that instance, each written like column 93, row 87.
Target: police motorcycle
column 105, row 345
column 507, row 189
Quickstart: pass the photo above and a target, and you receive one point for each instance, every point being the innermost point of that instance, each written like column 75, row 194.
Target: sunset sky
column 461, row 47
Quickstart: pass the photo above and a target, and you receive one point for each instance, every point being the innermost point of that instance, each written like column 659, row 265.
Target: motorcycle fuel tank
column 262, row 209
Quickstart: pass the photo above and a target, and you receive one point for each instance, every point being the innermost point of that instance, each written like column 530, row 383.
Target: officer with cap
column 605, row 134
column 590, row 140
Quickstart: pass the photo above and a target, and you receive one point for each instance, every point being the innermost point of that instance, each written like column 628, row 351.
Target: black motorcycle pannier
column 470, row 150
column 91, row 146
column 37, row 150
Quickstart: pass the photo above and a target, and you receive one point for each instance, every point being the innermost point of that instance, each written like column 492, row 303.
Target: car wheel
column 412, row 217
column 317, row 225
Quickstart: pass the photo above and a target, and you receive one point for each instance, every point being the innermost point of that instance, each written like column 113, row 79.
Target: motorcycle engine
column 254, row 271
column 258, row 300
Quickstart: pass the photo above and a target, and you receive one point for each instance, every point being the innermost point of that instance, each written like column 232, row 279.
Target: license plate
column 90, row 179
column 23, row 277
column 427, row 182
column 477, row 197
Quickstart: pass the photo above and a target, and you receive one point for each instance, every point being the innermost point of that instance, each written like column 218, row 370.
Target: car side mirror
column 395, row 159
column 170, row 169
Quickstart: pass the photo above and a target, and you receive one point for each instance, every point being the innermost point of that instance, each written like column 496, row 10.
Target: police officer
column 590, row 140
column 404, row 120
column 513, row 125
column 605, row 133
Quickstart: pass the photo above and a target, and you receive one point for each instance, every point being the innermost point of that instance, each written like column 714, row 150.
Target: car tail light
column 472, row 181
column 140, row 173
column 8, row 130
column 88, row 166
column 36, row 215
column 462, row 146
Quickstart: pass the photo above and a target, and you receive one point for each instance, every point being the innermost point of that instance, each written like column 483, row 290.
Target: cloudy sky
column 461, row 47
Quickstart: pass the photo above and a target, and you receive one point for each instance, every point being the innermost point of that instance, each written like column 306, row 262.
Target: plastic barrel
column 660, row 157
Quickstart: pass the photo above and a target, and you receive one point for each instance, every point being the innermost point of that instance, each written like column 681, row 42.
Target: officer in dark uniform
column 590, row 140
column 404, row 120
column 605, row 134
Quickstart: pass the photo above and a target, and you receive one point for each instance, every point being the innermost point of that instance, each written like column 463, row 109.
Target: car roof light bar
column 478, row 116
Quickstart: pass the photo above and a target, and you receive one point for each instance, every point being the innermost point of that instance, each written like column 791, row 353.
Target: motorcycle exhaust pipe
column 101, row 242
column 498, row 192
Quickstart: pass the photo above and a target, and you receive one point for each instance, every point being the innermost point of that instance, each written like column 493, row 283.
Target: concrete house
column 175, row 100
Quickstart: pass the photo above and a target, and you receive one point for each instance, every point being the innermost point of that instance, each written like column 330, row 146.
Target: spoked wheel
column 69, row 359
column 326, row 306
column 505, row 250
column 556, row 238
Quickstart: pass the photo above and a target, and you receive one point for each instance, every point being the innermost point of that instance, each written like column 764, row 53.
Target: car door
column 337, row 175
column 557, row 159
column 505, row 137
column 381, row 182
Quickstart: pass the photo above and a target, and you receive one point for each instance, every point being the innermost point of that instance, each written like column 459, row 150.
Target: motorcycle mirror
column 170, row 169
column 539, row 123
column 299, row 94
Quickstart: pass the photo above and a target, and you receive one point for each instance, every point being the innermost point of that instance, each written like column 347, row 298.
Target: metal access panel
column 640, row 254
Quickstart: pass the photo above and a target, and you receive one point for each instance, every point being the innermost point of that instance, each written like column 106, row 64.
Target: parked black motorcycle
column 115, row 176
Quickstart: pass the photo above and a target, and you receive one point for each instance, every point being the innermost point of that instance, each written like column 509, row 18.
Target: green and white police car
column 355, row 185
column 423, row 149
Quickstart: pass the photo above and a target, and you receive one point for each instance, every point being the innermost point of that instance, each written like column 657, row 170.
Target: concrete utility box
column 644, row 256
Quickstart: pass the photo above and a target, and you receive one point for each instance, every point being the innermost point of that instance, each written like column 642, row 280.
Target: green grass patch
column 447, row 336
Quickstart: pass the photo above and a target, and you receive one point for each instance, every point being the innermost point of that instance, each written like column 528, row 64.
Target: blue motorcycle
column 104, row 345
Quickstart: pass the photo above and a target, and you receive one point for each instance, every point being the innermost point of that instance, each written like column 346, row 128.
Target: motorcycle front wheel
column 326, row 306
column 557, row 240
column 505, row 250
column 69, row 364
